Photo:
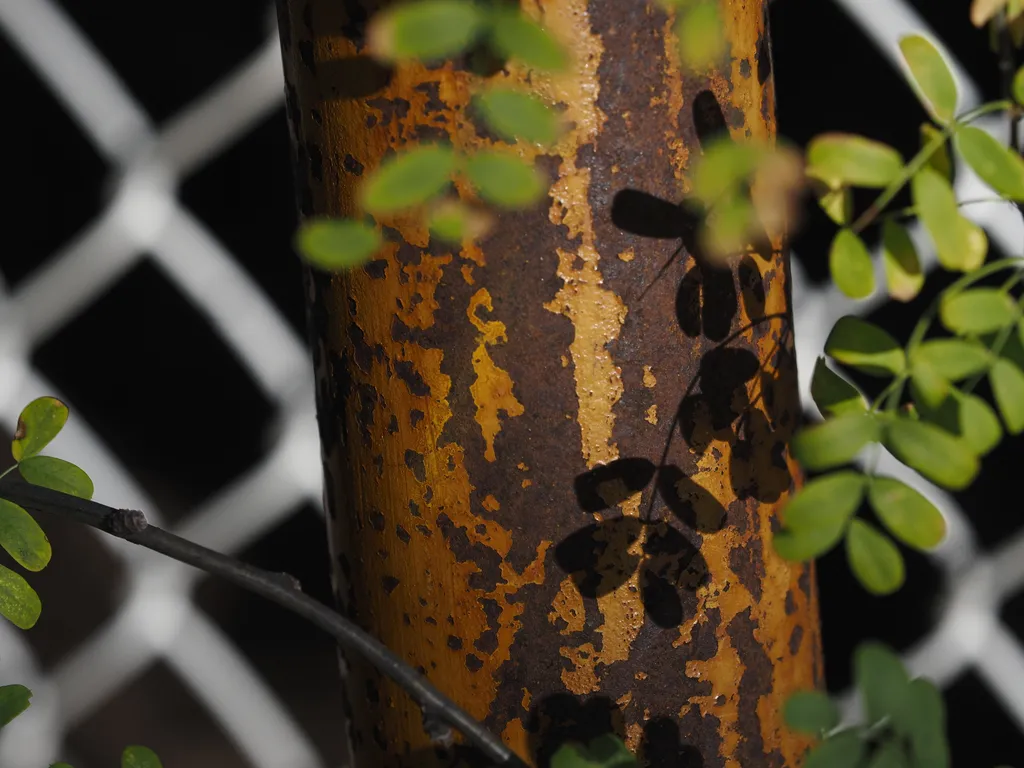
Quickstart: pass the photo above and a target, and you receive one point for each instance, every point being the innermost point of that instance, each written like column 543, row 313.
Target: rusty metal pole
column 492, row 416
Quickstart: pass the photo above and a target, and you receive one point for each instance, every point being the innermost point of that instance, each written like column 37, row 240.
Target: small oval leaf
column 960, row 244
column 424, row 29
column 1007, row 382
column 58, row 475
column 40, row 421
column 882, row 681
column 515, row 36
column 453, row 221
column 19, row 603
column 827, row 501
column 139, row 757
column 953, row 359
column 924, row 722
column 866, row 347
column 836, row 441
column 514, row 114
column 942, row 458
column 810, row 712
column 701, row 34
column 968, row 417
column 798, row 546
column 22, row 537
column 832, row 393
column 927, row 384
column 408, row 179
column 850, row 264
column 908, row 515
column 903, row 275
column 874, row 559
column 337, row 244
column 14, row 699
column 844, row 750
column 505, row 179
column 847, row 159
column 978, row 310
column 930, row 77
column 995, row 164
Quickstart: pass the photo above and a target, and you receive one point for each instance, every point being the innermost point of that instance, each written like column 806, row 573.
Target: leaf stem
column 439, row 712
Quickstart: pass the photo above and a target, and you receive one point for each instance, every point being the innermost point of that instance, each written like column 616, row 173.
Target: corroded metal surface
column 492, row 417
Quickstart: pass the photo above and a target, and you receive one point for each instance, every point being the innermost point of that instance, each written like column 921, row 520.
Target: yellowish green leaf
column 908, row 515
column 978, row 310
column 58, row 475
column 517, row 37
column 847, row 159
column 833, row 394
column 939, row 161
column 515, row 114
column 408, row 179
column 21, row 535
column 1007, row 382
column 961, row 244
column 428, row 30
column 701, row 34
column 865, row 346
column 504, row 179
column 850, row 264
column 930, row 76
column 19, row 603
column 836, row 441
column 337, row 244
column 40, row 421
column 903, row 274
column 939, row 456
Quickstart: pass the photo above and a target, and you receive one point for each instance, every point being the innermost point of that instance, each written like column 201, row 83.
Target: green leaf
column 454, row 221
column 903, row 274
column 1007, row 382
column 960, row 243
column 727, row 226
column 995, row 164
column 61, row 765
column 866, row 347
column 1018, row 86
column 606, row 751
column 337, row 244
column 874, row 559
column 968, row 417
column 978, row 310
column 426, row 29
column 139, row 757
column 953, row 359
column 14, row 699
column 889, row 755
column 826, row 501
column 58, row 475
column 810, row 712
column 850, row 264
column 837, row 203
column 724, row 165
column 19, row 603
column 701, row 34
column 515, row 36
column 514, row 114
column 505, row 179
column 847, row 159
column 908, row 515
column 798, row 546
column 832, row 393
column 39, row 422
column 924, row 721
column 22, row 537
column 409, row 179
column 936, row 454
column 882, row 681
column 939, row 161
column 844, row 750
column 927, row 384
column 930, row 76
column 836, row 441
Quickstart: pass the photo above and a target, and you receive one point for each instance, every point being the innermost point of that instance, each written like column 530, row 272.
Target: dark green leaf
column 337, row 244
column 978, row 310
column 874, row 559
column 14, row 699
column 931, row 77
column 39, row 422
column 409, row 179
column 968, row 417
column 810, row 712
column 939, row 161
column 22, row 537
column 58, row 475
column 1018, row 86
column 960, row 244
column 889, row 755
column 925, row 723
column 701, row 34
column 846, row 159
column 908, row 515
column 927, row 384
column 517, row 37
column 19, row 603
column 514, row 114
column 505, row 179
column 1007, row 382
column 61, row 765
column 903, row 274
column 865, row 346
column 832, row 393
column 850, row 264
column 882, row 680
column 139, row 757
column 939, row 456
column 995, row 164
column 953, row 359
column 844, row 750
column 605, row 751
column 424, row 29
column 836, row 441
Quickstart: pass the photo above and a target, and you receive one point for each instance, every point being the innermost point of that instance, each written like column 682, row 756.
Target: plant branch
column 440, row 713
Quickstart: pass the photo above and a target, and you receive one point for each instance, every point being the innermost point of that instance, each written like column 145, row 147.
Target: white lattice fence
column 157, row 619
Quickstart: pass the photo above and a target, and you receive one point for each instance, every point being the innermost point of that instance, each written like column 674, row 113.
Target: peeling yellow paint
column 652, row 415
column 568, row 606
column 627, row 255
column 649, row 379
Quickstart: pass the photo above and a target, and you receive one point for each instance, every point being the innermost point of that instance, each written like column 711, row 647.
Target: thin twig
column 440, row 713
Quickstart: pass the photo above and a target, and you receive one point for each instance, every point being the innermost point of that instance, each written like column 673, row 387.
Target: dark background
column 143, row 343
